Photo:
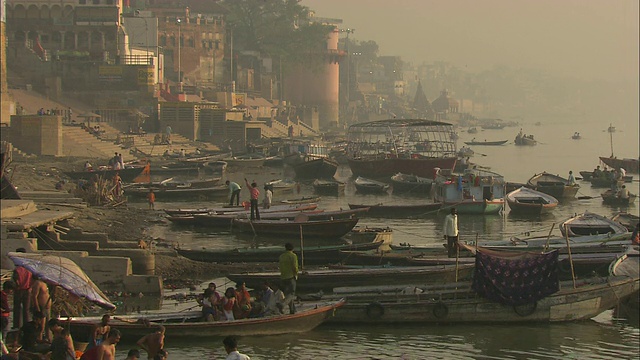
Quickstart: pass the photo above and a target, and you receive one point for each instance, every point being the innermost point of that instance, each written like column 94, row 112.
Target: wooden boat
column 180, row 168
column 368, row 186
column 302, row 200
column 127, row 174
column 589, row 223
column 316, row 168
column 226, row 220
column 630, row 165
column 598, row 243
column 475, row 192
column 328, row 187
column 611, row 128
column 380, row 149
column 405, row 183
column 576, row 136
column 216, row 166
column 281, row 186
column 465, row 152
column 628, row 265
column 554, row 185
column 525, row 140
column 236, row 209
column 369, row 234
column 285, row 229
column 627, row 220
column 273, row 161
column 399, row 211
column 529, row 201
column 327, row 279
column 458, row 303
column 487, row 143
column 472, row 130
column 493, row 126
column 312, row 255
column 247, row 160
column 190, row 324
column 179, row 193
column 611, row 197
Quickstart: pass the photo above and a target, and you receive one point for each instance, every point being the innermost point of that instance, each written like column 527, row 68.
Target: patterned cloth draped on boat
column 515, row 279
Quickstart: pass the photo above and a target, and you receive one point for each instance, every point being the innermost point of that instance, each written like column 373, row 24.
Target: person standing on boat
column 234, row 192
column 288, row 264
column 572, row 179
column 255, row 194
column 268, row 196
column 451, row 232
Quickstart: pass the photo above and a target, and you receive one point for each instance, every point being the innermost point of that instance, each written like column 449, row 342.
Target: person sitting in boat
column 228, row 303
column 623, row 193
column 265, row 304
column 242, row 308
column 596, row 172
column 209, row 301
column 88, row 166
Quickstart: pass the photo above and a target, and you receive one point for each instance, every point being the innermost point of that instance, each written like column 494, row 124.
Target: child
column 152, row 199
column 228, row 303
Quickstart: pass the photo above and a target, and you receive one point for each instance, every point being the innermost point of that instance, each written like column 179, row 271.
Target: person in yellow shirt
column 288, row 264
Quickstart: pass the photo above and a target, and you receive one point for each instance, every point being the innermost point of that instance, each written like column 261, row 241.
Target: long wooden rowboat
column 529, row 201
column 313, row 255
column 590, row 223
column 554, row 185
column 395, row 211
column 190, row 324
column 226, row 220
column 315, row 280
column 127, row 174
column 491, row 143
column 457, row 303
column 236, row 209
column 323, row 229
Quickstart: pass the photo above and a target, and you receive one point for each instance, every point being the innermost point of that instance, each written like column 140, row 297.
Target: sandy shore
column 121, row 224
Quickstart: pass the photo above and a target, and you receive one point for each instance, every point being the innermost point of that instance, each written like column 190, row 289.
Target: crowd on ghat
column 42, row 335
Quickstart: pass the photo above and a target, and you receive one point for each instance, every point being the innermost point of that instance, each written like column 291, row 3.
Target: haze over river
column 604, row 337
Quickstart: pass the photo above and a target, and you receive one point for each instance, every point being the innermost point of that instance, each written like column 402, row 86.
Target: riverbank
column 121, row 223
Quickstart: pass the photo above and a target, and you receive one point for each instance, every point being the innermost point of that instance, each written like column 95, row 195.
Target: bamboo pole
column 546, row 246
column 301, row 248
column 573, row 274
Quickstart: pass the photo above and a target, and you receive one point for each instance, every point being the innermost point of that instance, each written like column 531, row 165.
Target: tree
column 279, row 29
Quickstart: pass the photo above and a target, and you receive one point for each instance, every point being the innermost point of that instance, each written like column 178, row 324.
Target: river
column 604, row 337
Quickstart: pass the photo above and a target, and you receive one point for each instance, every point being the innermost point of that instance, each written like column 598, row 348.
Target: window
column 82, row 2
column 96, row 2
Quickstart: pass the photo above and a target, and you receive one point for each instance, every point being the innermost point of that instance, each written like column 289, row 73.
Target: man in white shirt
column 451, row 232
column 231, row 346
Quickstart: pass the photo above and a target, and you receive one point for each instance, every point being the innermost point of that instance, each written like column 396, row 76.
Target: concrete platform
column 35, row 219
column 16, row 208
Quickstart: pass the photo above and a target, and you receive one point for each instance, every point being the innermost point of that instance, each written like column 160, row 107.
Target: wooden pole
column 301, row 248
column 573, row 274
column 546, row 246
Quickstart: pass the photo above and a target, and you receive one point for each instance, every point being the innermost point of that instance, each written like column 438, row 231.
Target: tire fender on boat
column 440, row 310
column 525, row 309
column 375, row 310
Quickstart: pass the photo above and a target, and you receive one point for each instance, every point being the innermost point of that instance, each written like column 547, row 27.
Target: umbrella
column 62, row 272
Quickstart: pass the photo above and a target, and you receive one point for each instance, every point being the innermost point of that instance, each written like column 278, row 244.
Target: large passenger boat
column 380, row 149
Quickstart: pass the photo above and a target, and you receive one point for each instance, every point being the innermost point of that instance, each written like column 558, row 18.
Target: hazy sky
column 589, row 39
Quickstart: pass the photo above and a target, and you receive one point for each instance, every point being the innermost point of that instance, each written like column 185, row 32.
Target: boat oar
column 573, row 273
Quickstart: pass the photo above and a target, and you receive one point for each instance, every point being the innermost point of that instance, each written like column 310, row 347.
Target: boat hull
column 630, row 165
column 398, row 211
column 459, row 305
column 327, row 229
column 484, row 207
column 305, row 319
column 384, row 168
column 313, row 255
column 322, row 168
column 126, row 174
column 326, row 280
